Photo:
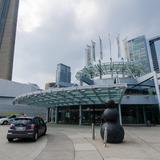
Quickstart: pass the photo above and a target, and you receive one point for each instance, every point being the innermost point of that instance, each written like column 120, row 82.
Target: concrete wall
column 9, row 90
column 13, row 89
column 134, row 99
column 6, row 107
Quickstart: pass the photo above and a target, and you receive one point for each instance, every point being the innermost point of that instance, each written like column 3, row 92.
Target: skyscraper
column 8, row 23
column 63, row 75
column 155, row 52
column 138, row 53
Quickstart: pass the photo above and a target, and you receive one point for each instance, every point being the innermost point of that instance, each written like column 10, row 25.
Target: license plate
column 20, row 128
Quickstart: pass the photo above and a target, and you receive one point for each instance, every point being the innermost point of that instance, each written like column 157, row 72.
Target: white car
column 7, row 120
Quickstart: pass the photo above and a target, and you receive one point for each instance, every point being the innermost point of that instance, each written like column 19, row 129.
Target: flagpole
column 110, row 50
column 101, row 52
column 110, row 47
column 118, row 46
column 93, row 50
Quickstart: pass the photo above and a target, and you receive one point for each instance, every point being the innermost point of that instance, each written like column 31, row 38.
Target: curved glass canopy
column 81, row 95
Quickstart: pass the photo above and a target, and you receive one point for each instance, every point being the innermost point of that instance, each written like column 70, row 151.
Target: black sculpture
column 110, row 118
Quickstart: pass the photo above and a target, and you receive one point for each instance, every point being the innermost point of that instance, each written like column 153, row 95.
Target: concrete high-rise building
column 138, row 53
column 8, row 22
column 155, row 52
column 63, row 75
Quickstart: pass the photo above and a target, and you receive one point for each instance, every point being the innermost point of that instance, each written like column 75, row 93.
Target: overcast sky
column 57, row 31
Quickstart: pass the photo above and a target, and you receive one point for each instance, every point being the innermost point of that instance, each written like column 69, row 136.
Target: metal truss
column 125, row 69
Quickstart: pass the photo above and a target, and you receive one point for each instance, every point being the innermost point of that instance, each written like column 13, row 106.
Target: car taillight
column 12, row 126
column 31, row 127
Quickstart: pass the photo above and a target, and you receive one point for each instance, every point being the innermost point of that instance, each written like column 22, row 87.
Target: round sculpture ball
column 110, row 115
column 110, row 104
column 115, row 132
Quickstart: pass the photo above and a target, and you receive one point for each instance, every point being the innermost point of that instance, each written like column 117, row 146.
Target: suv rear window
column 22, row 121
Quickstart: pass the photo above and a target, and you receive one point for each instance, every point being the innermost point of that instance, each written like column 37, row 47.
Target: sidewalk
column 73, row 142
column 59, row 147
column 140, row 143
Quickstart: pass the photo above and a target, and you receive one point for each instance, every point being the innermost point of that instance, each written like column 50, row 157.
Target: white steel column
column 120, row 114
column 80, row 115
column 52, row 115
column 47, row 114
column 157, row 88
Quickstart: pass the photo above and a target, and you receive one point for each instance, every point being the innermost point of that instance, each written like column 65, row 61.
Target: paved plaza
column 71, row 142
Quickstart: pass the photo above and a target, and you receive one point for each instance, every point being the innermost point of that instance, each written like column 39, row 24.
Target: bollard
column 105, row 136
column 93, row 131
column 148, row 123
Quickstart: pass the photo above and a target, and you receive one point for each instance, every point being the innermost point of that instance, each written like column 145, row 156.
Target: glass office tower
column 8, row 22
column 138, row 53
column 63, row 75
column 155, row 52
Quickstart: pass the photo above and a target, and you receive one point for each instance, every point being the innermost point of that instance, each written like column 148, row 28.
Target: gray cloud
column 58, row 32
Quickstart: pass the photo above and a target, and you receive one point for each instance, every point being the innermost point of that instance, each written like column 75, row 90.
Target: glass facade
column 138, row 53
column 157, row 44
column 63, row 74
column 8, row 23
column 4, row 6
column 140, row 114
column 89, row 114
column 68, row 115
column 131, row 114
column 155, row 53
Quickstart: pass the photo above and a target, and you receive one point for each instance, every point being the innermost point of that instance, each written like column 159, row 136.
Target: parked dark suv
column 27, row 127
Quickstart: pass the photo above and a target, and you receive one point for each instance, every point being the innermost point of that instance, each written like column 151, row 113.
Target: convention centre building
column 137, row 99
column 131, row 82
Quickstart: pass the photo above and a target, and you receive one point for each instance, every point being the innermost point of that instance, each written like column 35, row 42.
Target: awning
column 72, row 96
